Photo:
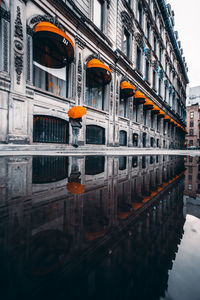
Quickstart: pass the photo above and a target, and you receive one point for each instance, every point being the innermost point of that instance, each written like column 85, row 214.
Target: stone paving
column 55, row 149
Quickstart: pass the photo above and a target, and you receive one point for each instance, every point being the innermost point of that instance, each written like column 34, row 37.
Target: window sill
column 138, row 72
column 125, row 57
column 123, row 118
column 103, row 112
column 40, row 91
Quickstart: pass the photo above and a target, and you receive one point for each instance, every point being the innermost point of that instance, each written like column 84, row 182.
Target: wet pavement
column 100, row 227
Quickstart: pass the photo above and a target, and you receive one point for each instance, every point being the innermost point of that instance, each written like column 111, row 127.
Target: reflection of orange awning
column 94, row 235
column 124, row 215
column 100, row 70
column 136, row 205
column 127, row 89
column 75, row 188
column 52, row 46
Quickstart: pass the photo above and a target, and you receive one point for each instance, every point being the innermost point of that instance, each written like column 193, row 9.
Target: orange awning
column 52, row 47
column 139, row 97
column 98, row 72
column 127, row 89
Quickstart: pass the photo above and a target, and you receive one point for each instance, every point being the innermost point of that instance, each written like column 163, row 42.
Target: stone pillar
column 17, row 106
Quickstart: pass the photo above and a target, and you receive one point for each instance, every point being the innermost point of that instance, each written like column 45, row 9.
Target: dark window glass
column 126, row 43
column 140, row 14
column 191, row 123
column 145, row 116
column 159, row 86
column 50, row 79
column 95, row 91
column 190, row 159
column 98, row 14
column 191, row 142
column 190, row 169
column 122, row 162
column 154, row 44
column 135, row 139
column 152, row 118
column 134, row 161
column 138, row 60
column 122, row 107
column 122, row 138
column 148, row 30
column 143, row 162
column 48, row 129
column 152, row 141
column 47, row 169
column 144, row 139
column 191, row 131
column 95, row 135
column 151, row 160
column 147, row 70
column 154, row 79
column 158, row 143
column 94, row 165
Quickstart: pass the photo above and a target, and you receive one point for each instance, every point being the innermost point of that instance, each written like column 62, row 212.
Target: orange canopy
column 52, row 47
column 148, row 102
column 77, row 112
column 100, row 70
column 138, row 94
column 75, row 187
column 127, row 89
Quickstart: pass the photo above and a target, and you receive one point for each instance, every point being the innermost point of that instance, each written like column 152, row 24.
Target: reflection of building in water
column 192, row 186
column 47, row 231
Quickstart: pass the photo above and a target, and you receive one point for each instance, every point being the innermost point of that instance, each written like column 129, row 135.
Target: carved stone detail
column 127, row 21
column 139, row 40
column 18, row 45
column 45, row 18
column 28, row 58
column 5, row 46
column 81, row 44
column 4, row 14
column 155, row 65
column 161, row 74
column 147, row 53
column 79, row 77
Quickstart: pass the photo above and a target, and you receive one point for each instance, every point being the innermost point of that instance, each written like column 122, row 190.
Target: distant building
column 193, row 95
column 192, row 137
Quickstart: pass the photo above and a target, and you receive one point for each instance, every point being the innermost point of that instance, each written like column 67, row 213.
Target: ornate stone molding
column 4, row 14
column 18, row 45
column 79, row 77
column 155, row 65
column 147, row 53
column 45, row 18
column 5, row 46
column 127, row 21
column 139, row 40
column 81, row 44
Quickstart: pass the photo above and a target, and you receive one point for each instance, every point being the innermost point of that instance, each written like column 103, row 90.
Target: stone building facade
column 120, row 59
column 192, row 136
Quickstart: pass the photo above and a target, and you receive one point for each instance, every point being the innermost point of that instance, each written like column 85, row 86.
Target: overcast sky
column 187, row 23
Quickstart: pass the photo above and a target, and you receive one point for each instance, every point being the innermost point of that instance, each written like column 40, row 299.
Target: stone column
column 17, row 107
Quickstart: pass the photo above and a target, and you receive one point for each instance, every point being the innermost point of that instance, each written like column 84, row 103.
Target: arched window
column 95, row 135
column 46, row 169
column 135, row 139
column 152, row 141
column 53, row 51
column 144, row 137
column 122, row 138
column 122, row 162
column 98, row 75
column 134, row 161
column 94, row 165
column 48, row 129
